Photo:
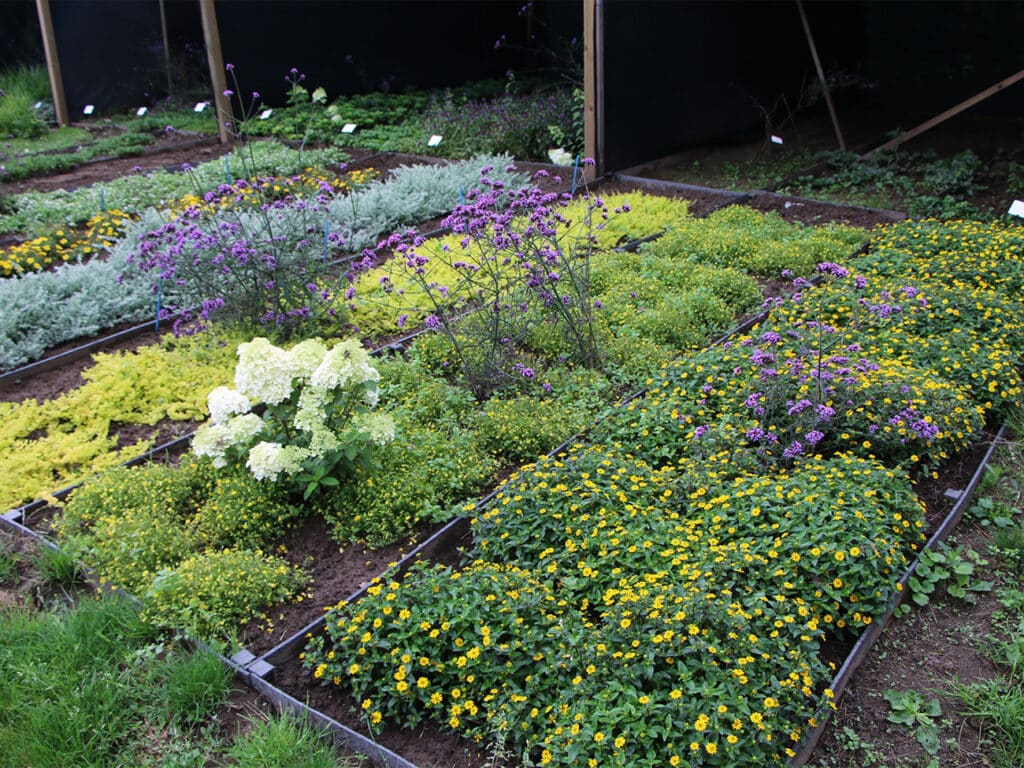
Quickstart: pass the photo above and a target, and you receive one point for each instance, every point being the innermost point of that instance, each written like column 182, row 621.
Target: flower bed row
column 103, row 293
column 657, row 594
column 447, row 448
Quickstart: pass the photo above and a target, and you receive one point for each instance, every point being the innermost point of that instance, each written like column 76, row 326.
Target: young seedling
column 951, row 567
column 910, row 708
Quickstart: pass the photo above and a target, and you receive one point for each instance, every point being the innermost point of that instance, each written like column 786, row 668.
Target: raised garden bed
column 368, row 564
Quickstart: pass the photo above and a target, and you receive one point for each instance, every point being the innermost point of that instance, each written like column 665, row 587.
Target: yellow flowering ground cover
column 657, row 595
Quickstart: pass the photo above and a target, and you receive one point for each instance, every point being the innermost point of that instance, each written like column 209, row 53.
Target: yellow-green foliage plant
column 761, row 244
column 389, row 298
column 45, row 446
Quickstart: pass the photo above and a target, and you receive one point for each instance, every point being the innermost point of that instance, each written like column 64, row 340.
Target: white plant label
column 89, row 109
column 266, row 113
column 348, row 128
column 1017, row 208
column 37, row 105
column 200, row 106
column 776, row 139
column 141, row 111
column 434, row 141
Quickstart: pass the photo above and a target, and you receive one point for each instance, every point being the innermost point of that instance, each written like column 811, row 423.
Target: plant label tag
column 200, row 106
column 37, row 105
column 141, row 111
column 434, row 141
column 776, row 139
column 89, row 109
column 266, row 113
column 1017, row 208
column 348, row 128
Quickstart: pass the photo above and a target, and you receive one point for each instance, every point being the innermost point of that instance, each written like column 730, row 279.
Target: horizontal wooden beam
column 929, row 124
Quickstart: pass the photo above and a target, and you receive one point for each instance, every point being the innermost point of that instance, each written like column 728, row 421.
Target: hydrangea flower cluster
column 317, row 412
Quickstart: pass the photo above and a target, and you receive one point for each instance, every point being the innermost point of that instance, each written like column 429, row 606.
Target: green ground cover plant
column 795, row 475
column 446, row 447
column 47, row 446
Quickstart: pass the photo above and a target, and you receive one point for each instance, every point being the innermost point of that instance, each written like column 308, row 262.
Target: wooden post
column 211, row 36
column 821, row 75
column 167, row 48
column 592, row 85
column 60, row 104
column 928, row 124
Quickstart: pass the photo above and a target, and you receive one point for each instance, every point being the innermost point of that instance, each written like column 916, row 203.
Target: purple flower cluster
column 242, row 258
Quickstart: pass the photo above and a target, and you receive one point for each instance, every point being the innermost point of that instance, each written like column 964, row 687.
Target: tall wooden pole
column 167, row 48
column 593, row 108
column 60, row 104
column 821, row 75
column 211, row 36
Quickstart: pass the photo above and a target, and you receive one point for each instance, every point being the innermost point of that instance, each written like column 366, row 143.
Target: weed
column 910, row 708
column 194, row 685
column 949, row 567
column 58, row 568
column 284, row 741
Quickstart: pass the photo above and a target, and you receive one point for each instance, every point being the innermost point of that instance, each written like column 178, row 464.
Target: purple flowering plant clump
column 258, row 264
column 818, row 378
column 517, row 263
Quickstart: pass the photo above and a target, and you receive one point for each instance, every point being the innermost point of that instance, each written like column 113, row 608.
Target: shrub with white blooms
column 317, row 419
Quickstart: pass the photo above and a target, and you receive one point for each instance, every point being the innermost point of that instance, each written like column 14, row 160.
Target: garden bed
column 310, row 545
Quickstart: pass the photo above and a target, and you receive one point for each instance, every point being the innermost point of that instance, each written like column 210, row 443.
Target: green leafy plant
column 911, row 709
column 950, row 568
column 209, row 595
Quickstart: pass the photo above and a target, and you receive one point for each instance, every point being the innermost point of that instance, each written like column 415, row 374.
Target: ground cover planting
column 664, row 588
column 633, row 528
column 445, row 450
column 521, row 117
column 102, row 293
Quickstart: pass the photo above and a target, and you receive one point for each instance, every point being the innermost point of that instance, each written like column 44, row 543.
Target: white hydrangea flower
column 224, row 402
column 267, row 461
column 265, row 372
column 308, row 354
column 244, row 428
column 380, row 427
column 323, row 441
column 345, row 363
column 559, row 156
column 212, row 440
column 309, row 415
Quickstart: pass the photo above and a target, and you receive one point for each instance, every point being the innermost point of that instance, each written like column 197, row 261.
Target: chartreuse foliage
column 761, row 244
column 656, row 595
column 186, row 539
column 47, row 445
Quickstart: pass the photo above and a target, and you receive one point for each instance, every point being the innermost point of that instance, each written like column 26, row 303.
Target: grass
column 22, row 88
column 283, row 742
column 87, row 683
